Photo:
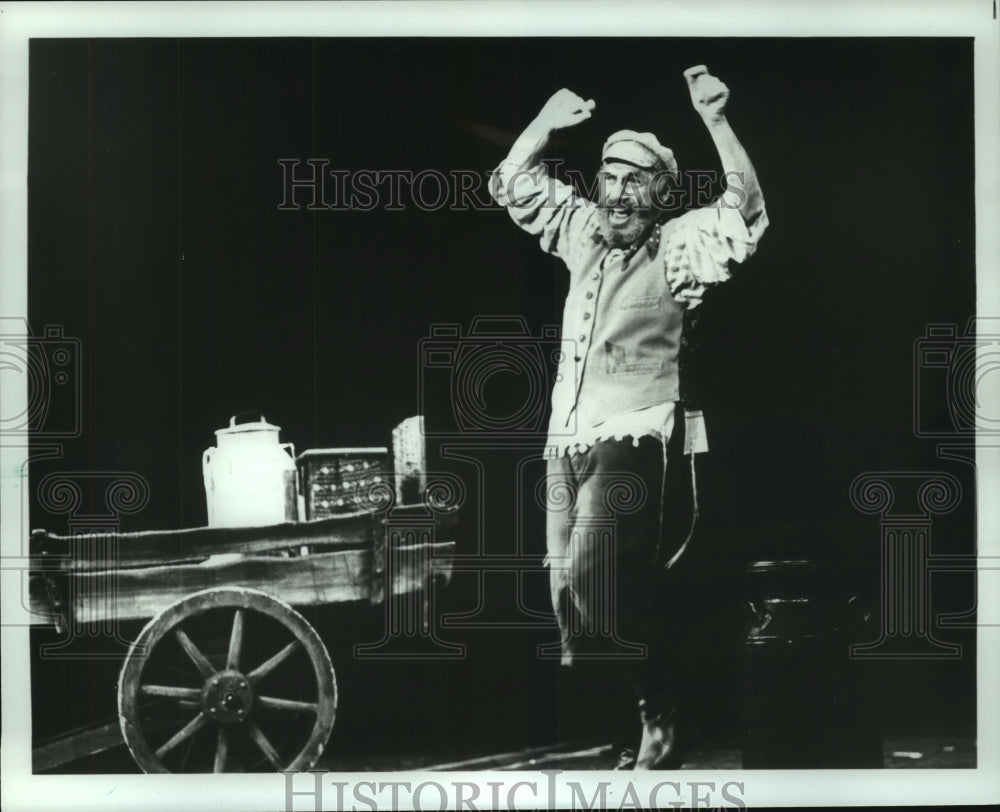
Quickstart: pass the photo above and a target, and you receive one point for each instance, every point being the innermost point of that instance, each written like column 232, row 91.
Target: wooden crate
column 344, row 480
column 409, row 458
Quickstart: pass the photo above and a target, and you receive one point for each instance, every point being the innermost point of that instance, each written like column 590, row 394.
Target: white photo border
column 19, row 22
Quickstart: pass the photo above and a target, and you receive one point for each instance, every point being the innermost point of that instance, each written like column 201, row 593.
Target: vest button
column 586, row 316
column 590, row 294
column 596, row 276
column 583, row 338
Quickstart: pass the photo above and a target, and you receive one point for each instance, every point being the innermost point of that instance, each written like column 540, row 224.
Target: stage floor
column 899, row 752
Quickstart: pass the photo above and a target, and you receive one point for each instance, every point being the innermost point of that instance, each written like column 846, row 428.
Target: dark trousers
column 611, row 525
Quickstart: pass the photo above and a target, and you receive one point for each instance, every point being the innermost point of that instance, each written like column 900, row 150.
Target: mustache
column 631, row 205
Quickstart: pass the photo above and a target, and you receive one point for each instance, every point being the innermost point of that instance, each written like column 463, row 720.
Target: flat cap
column 639, row 149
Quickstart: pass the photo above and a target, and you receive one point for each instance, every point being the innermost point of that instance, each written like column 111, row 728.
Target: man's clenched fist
column 564, row 109
column 708, row 94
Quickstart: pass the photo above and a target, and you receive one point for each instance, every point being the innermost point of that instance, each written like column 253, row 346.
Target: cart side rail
column 103, row 551
column 95, row 578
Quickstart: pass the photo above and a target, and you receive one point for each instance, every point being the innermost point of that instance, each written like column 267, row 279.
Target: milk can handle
column 258, row 417
column 206, row 460
column 290, row 448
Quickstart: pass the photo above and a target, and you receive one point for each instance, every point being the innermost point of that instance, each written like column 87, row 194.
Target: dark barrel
column 806, row 704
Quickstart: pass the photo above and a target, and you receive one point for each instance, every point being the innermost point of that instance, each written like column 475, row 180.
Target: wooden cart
column 217, row 599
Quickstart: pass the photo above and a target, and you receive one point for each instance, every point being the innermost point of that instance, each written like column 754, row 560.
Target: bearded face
column 625, row 199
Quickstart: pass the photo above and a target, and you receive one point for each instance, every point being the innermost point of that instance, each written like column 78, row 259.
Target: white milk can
column 250, row 476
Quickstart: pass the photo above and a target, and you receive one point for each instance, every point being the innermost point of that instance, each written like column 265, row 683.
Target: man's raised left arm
column 709, row 96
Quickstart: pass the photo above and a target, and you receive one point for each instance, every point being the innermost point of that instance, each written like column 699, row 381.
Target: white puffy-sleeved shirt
column 622, row 320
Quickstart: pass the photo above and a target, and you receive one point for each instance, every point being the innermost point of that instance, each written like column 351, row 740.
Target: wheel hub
column 227, row 697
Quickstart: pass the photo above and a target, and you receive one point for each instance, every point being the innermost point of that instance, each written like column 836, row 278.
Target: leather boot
column 625, row 758
column 660, row 747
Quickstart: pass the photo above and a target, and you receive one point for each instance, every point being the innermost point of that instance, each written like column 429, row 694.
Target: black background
column 156, row 239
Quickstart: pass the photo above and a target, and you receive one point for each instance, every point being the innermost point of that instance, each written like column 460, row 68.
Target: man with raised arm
column 617, row 407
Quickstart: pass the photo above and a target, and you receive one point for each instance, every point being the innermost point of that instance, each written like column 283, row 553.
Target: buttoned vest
column 621, row 331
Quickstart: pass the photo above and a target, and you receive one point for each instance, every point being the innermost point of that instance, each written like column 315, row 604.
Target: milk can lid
column 249, row 425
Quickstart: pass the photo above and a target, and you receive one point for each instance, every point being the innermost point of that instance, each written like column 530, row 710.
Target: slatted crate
column 343, row 480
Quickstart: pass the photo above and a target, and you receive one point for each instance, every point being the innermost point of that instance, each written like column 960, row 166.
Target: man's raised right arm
column 536, row 202
column 563, row 109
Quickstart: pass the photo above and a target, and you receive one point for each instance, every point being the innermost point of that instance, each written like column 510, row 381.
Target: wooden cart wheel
column 219, row 665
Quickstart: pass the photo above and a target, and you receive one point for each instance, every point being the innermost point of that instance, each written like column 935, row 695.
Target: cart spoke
column 258, row 736
column 185, row 732
column 274, row 703
column 171, row 692
column 266, row 668
column 199, row 659
column 221, row 751
column 235, row 642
